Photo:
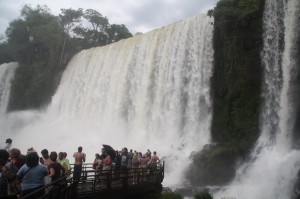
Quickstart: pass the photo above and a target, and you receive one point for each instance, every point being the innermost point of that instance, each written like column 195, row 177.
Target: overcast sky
column 136, row 15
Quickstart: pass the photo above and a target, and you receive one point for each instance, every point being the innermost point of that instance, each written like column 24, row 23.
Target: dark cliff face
column 236, row 88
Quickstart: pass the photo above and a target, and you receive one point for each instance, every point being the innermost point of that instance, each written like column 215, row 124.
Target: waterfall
column 6, row 75
column 149, row 91
column 272, row 171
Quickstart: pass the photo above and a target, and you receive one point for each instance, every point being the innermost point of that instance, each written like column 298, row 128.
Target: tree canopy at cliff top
column 43, row 44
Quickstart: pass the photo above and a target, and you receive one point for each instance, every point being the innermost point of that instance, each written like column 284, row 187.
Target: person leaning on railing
column 154, row 160
column 79, row 160
column 63, row 161
column 56, row 170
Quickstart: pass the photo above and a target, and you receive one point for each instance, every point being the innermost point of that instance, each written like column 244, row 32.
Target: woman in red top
column 55, row 168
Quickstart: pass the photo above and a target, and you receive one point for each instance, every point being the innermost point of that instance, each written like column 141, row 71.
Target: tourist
column 130, row 155
column 107, row 163
column 17, row 158
column 63, row 161
column 154, row 160
column 68, row 163
column 135, row 160
column 32, row 175
column 124, row 164
column 103, row 154
column 97, row 161
column 30, row 150
column 124, row 159
column 144, row 161
column 7, row 173
column 46, row 158
column 7, row 145
column 118, row 160
column 102, row 157
column 107, row 166
column 144, row 164
column 148, row 152
column 135, row 167
column 79, row 157
column 56, row 170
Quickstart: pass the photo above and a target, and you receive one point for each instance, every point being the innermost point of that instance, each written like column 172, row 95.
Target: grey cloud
column 158, row 13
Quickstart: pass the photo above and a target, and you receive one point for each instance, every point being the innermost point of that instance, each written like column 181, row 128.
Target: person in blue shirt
column 32, row 174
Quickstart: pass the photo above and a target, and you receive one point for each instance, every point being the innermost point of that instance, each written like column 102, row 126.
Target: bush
column 171, row 196
column 203, row 195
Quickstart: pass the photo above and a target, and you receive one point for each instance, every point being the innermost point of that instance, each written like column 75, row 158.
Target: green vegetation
column 43, row 44
column 171, row 195
column 236, row 88
column 203, row 195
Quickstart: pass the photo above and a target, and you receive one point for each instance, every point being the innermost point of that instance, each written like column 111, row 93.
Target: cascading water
column 272, row 171
column 6, row 75
column 149, row 91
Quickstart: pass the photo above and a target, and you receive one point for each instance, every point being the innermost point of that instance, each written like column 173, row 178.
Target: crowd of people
column 23, row 174
column 124, row 159
column 111, row 160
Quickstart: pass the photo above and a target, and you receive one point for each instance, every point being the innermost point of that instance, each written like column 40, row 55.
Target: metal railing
column 59, row 189
column 95, row 181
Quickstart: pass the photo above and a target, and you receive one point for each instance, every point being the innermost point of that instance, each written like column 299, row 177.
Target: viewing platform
column 130, row 183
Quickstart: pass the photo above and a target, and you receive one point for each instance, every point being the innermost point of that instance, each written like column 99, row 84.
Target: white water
column 6, row 75
column 149, row 91
column 273, row 169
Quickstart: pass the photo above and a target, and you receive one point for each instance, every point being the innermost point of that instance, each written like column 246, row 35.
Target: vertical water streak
column 271, row 59
column 6, row 76
column 273, row 168
column 289, row 101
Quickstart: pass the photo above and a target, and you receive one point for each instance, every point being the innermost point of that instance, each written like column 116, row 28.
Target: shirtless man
column 152, row 163
column 79, row 160
column 46, row 159
column 154, row 159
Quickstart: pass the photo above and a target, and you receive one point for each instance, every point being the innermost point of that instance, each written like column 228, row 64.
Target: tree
column 69, row 18
column 97, row 34
column 5, row 53
column 98, row 22
column 117, row 32
column 18, row 39
column 210, row 13
column 45, row 33
column 100, row 32
column 36, row 39
column 43, row 43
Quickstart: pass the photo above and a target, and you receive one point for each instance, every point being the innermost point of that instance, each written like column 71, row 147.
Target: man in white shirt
column 7, row 145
